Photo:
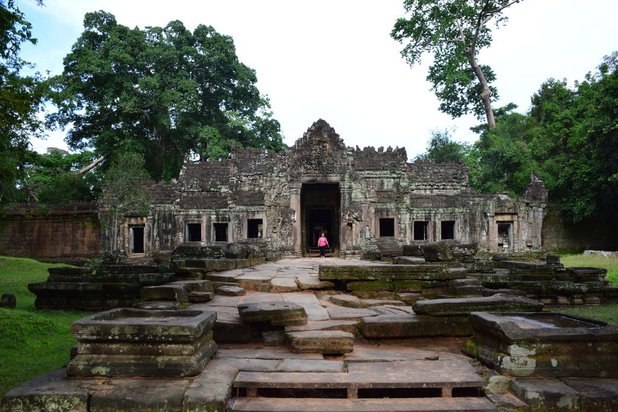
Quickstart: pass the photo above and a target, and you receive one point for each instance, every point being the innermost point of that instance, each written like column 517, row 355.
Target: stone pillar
column 295, row 205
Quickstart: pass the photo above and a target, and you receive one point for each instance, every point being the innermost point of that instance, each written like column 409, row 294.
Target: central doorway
column 320, row 204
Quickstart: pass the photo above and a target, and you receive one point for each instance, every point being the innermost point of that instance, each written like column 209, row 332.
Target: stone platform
column 431, row 358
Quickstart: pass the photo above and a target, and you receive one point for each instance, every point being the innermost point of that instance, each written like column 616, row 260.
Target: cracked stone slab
column 283, row 285
column 302, row 365
column 265, row 353
column 313, row 308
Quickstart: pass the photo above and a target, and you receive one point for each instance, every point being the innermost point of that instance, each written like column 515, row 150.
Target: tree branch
column 89, row 167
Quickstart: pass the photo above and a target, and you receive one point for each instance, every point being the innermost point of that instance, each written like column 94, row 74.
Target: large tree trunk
column 485, row 91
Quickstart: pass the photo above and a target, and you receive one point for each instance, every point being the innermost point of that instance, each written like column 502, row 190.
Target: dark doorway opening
column 194, row 232
column 220, row 232
column 137, row 239
column 420, row 230
column 320, row 203
column 254, row 228
column 447, row 229
column 505, row 235
column 387, row 227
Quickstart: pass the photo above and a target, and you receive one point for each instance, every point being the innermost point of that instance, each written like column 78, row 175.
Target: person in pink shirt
column 322, row 244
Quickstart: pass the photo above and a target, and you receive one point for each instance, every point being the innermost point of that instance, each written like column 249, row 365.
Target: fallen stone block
column 545, row 394
column 228, row 290
column 464, row 306
column 49, row 392
column 174, row 293
column 272, row 313
column 283, row 285
column 410, row 326
column 331, row 342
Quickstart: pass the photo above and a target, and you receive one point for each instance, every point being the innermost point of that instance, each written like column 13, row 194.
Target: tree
column 576, row 144
column 501, row 161
column 55, row 178
column 442, row 149
column 165, row 93
column 21, row 97
column 454, row 31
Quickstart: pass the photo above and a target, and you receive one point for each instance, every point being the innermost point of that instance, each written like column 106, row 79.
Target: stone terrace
column 280, row 364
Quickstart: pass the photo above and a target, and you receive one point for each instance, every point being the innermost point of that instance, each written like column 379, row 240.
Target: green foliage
column 442, row 149
column 576, row 141
column 569, row 139
column 53, row 177
column 501, row 160
column 123, row 182
column 453, row 32
column 31, row 342
column 21, row 96
column 165, row 92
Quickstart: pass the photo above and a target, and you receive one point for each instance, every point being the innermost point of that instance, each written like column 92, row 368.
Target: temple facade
column 362, row 199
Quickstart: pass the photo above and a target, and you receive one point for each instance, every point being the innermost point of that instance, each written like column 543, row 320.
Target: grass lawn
column 31, row 342
column 596, row 261
column 606, row 313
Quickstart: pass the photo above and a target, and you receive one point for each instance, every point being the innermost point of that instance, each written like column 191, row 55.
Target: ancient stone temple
column 362, row 199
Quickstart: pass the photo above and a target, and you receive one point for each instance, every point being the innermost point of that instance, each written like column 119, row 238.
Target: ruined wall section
column 67, row 231
column 377, row 214
column 260, row 194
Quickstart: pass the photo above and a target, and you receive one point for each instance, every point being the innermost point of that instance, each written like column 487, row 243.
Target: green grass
column 607, row 312
column 597, row 261
column 31, row 342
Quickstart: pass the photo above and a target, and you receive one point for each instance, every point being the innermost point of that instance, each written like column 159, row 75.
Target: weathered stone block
column 229, row 290
column 385, row 272
column 464, row 306
column 272, row 313
column 149, row 343
column 410, row 326
column 544, row 344
column 174, row 293
column 332, row 342
column 49, row 392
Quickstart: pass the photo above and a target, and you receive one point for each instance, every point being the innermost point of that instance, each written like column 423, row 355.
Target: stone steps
column 359, row 405
column 416, row 378
column 417, row 385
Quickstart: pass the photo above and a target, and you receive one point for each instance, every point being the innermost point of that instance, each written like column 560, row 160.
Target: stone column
column 295, row 205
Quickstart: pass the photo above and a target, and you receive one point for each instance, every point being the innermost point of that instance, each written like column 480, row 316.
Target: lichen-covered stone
column 273, row 313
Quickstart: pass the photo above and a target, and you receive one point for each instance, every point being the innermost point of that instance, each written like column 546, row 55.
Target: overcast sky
column 335, row 59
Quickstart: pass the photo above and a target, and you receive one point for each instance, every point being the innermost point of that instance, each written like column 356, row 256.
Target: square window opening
column 254, row 228
column 387, row 227
column 420, row 230
column 194, row 232
column 447, row 229
column 220, row 232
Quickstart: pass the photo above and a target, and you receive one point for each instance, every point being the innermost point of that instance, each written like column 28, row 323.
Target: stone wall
column 599, row 233
column 57, row 232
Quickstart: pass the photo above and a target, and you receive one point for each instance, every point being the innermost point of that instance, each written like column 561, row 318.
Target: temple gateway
column 362, row 199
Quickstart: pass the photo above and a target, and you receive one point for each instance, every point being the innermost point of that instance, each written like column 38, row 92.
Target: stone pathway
column 258, row 369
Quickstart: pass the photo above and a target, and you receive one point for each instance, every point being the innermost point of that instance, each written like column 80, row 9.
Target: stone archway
column 320, row 212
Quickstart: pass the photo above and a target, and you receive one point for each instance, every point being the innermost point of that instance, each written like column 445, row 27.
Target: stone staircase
column 420, row 385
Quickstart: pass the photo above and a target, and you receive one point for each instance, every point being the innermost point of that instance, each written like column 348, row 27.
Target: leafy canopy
column 21, row 97
column 453, row 32
column 443, row 149
column 163, row 92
